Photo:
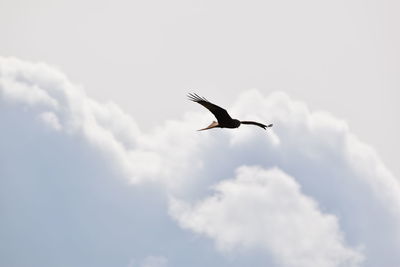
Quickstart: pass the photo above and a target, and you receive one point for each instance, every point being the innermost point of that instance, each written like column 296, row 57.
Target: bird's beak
column 212, row 125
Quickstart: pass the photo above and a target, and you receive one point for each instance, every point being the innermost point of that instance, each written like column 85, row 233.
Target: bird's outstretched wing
column 257, row 123
column 219, row 113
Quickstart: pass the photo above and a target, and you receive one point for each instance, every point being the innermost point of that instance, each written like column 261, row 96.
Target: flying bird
column 224, row 120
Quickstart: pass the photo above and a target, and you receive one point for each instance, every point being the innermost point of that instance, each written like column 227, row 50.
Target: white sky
column 338, row 56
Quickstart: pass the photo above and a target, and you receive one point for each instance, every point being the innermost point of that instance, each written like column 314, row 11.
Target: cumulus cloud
column 62, row 105
column 312, row 170
column 266, row 209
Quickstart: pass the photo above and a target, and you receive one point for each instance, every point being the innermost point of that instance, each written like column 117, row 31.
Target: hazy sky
column 280, row 61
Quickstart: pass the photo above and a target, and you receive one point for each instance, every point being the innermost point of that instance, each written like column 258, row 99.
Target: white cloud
column 51, row 119
column 154, row 261
column 150, row 261
column 345, row 187
column 266, row 209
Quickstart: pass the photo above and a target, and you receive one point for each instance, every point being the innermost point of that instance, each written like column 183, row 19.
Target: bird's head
column 236, row 123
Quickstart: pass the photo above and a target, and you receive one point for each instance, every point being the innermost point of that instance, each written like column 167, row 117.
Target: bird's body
column 224, row 120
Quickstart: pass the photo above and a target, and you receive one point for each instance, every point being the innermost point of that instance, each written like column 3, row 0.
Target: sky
column 101, row 163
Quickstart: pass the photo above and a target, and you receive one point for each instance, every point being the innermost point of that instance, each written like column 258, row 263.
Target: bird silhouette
column 224, row 120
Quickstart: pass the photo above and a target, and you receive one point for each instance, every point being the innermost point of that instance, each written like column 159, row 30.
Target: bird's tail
column 258, row 124
column 212, row 125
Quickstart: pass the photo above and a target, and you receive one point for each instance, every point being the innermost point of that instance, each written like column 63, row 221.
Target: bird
column 224, row 120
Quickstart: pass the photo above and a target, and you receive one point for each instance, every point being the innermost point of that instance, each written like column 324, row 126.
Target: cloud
column 345, row 176
column 266, row 209
column 64, row 106
column 150, row 261
column 80, row 151
column 153, row 261
column 65, row 198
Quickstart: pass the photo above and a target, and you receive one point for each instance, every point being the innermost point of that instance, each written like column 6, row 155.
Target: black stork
column 224, row 120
